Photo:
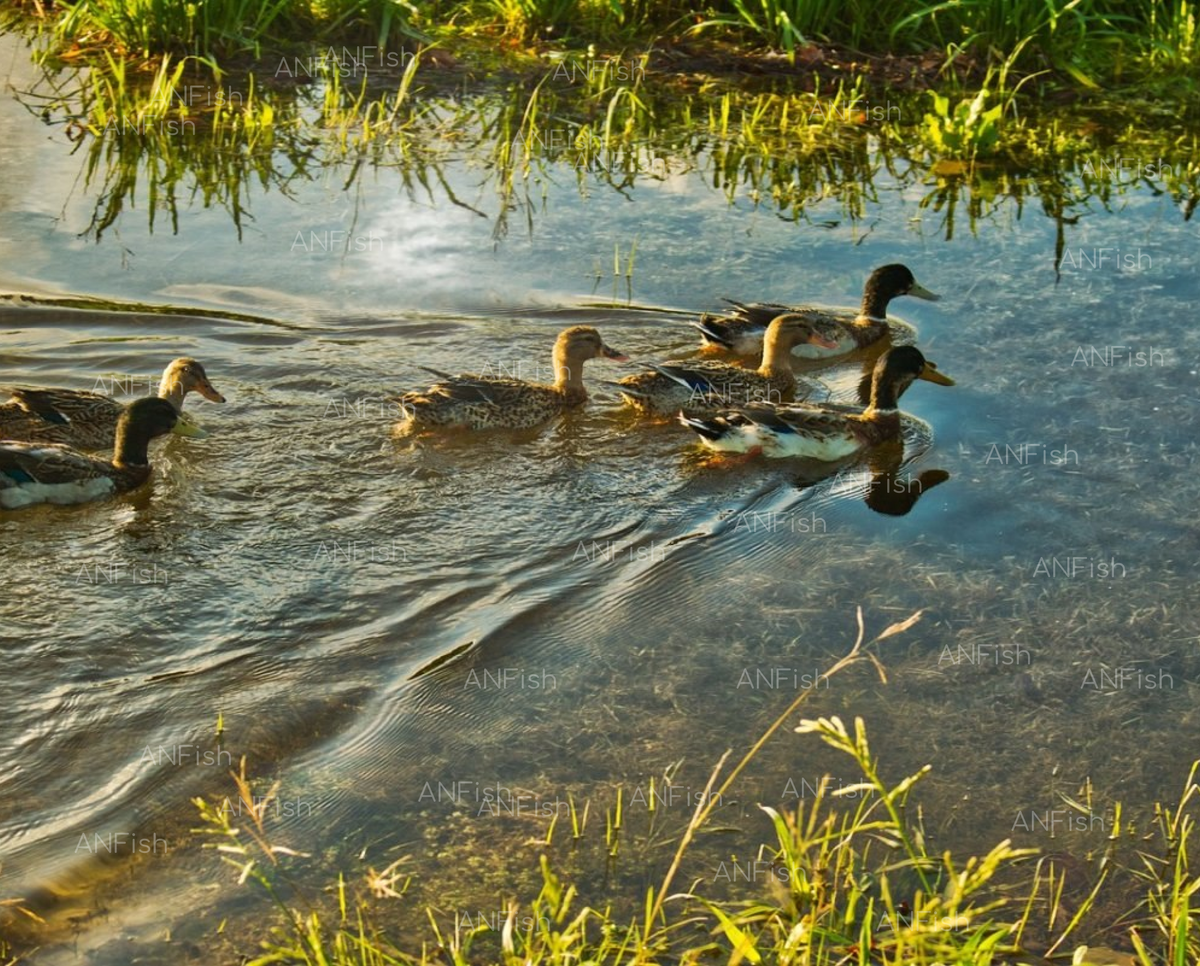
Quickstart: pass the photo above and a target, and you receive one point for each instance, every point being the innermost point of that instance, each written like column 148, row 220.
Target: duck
column 489, row 402
column 88, row 420
column 742, row 330
column 827, row 433
column 708, row 387
column 33, row 473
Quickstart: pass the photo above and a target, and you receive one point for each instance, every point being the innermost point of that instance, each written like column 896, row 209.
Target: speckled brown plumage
column 88, row 420
column 829, row 432
column 484, row 402
column 705, row 387
column 742, row 330
column 33, row 473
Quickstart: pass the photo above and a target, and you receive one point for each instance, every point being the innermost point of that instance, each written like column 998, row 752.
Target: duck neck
column 568, row 373
column 777, row 351
column 874, row 303
column 172, row 391
column 884, row 397
column 132, row 448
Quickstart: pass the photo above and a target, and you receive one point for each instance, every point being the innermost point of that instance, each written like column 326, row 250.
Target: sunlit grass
column 851, row 879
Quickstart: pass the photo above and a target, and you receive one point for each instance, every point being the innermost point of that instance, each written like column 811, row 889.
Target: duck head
column 889, row 282
column 186, row 375
column 574, row 347
column 896, row 370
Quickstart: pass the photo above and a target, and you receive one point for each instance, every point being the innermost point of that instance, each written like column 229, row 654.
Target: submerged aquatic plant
column 967, row 131
column 847, row 885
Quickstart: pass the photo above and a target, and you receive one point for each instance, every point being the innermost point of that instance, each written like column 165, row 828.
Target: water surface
column 392, row 627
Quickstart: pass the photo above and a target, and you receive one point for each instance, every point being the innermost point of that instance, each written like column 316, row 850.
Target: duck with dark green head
column 33, row 473
column 742, row 330
column 822, row 432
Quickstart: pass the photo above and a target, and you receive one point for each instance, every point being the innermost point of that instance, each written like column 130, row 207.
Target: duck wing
column 48, row 463
column 64, row 407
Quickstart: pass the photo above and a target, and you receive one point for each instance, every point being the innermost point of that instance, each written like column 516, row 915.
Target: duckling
column 742, row 331
column 88, row 420
column 48, row 473
column 485, row 402
column 822, row 432
column 706, row 387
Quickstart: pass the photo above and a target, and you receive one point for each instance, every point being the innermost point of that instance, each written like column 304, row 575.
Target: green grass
column 848, row 883
column 1085, row 42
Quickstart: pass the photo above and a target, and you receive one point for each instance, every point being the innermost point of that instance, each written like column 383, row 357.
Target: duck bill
column 921, row 292
column 930, row 374
column 184, row 426
column 611, row 353
column 205, row 388
column 824, row 343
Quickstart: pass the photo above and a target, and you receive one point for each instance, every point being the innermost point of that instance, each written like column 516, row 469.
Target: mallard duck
column 88, row 420
column 742, row 330
column 704, row 387
column 822, row 432
column 48, row 473
column 486, row 402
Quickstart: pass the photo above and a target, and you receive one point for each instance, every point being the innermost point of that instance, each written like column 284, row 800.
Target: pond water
column 394, row 628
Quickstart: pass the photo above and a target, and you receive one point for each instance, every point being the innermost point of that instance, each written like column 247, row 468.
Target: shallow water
column 379, row 620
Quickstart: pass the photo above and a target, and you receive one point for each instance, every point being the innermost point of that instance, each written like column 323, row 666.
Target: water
column 389, row 628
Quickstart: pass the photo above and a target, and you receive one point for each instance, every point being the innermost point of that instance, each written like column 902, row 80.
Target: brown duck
column 486, row 402
column 703, row 387
column 88, row 420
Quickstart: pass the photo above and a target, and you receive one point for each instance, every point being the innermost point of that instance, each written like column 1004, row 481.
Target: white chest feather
column 825, row 448
column 27, row 494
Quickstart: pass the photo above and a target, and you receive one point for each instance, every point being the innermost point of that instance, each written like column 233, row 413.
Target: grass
column 151, row 143
column 839, row 883
column 1086, row 42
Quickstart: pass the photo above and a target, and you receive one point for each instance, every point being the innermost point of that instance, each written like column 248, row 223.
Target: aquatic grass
column 150, row 28
column 1088, row 42
column 853, row 884
column 787, row 151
